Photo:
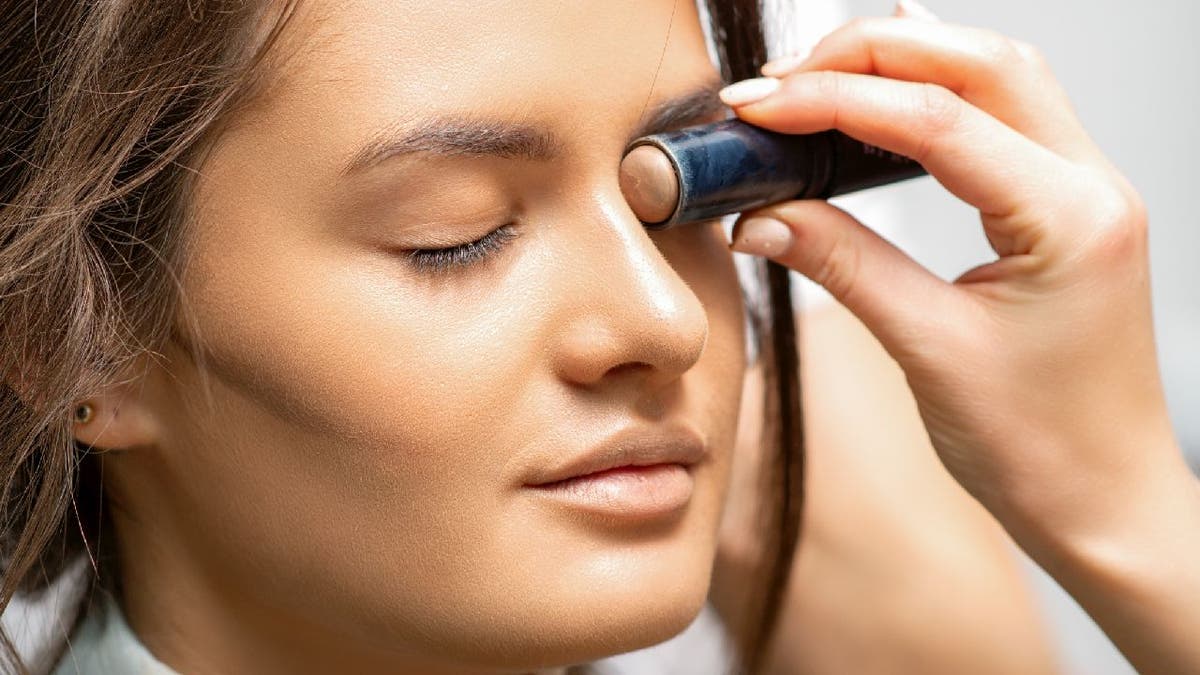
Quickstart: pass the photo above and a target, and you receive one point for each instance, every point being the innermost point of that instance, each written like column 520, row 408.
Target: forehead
column 368, row 61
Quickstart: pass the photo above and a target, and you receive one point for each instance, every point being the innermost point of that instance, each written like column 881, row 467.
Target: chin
column 573, row 636
column 607, row 594
column 609, row 605
column 647, row 621
column 631, row 609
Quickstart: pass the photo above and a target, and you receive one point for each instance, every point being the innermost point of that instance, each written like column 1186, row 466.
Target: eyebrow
column 470, row 136
column 696, row 106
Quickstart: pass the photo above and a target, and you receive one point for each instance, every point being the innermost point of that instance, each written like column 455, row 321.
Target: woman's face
column 378, row 420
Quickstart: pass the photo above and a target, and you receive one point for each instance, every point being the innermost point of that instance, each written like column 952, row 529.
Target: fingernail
column 763, row 236
column 749, row 91
column 915, row 10
column 783, row 65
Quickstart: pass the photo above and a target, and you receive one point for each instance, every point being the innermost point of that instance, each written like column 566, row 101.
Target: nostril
column 630, row 367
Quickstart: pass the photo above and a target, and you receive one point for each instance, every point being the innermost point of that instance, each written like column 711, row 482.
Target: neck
column 197, row 622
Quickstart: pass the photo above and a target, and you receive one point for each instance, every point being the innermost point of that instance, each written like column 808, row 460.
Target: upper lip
column 638, row 446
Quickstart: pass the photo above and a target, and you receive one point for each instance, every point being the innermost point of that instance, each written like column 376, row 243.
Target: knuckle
column 828, row 87
column 1120, row 222
column 940, row 108
column 861, row 24
column 837, row 268
column 998, row 51
column 1133, row 211
column 1029, row 54
column 827, row 84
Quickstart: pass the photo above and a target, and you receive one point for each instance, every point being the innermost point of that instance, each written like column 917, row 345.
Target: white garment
column 105, row 645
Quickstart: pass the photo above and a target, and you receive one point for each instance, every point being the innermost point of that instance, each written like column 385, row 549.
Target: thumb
column 896, row 298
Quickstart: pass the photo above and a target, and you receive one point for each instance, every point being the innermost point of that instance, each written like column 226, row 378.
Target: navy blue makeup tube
column 732, row 166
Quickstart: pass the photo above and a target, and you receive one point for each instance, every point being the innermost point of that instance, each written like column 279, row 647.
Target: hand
column 1035, row 374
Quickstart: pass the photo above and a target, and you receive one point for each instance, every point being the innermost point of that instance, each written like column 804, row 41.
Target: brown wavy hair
column 104, row 106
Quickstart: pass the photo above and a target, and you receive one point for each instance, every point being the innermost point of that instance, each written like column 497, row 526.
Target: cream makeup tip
column 648, row 181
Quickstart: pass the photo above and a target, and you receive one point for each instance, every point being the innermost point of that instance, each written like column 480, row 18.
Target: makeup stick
column 711, row 170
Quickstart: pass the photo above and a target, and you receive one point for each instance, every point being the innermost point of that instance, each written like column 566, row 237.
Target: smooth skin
column 1035, row 375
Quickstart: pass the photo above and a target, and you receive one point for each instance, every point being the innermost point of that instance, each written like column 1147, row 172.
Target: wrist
column 1136, row 576
column 1132, row 540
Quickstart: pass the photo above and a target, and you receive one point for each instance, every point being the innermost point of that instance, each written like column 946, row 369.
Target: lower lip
column 632, row 492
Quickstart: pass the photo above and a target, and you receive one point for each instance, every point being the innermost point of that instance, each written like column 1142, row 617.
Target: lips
column 639, row 476
column 634, row 447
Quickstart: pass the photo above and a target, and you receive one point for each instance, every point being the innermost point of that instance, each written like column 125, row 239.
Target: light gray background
column 1133, row 72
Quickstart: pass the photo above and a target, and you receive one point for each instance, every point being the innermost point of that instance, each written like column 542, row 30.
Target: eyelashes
column 437, row 260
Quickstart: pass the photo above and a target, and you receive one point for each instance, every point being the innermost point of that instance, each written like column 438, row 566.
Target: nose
column 629, row 316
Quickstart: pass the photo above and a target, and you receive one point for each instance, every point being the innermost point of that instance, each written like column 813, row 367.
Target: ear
column 121, row 417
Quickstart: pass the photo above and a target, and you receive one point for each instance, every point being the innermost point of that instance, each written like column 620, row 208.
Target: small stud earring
column 83, row 413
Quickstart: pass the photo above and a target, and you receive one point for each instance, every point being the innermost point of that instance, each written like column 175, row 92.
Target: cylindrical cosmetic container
column 711, row 170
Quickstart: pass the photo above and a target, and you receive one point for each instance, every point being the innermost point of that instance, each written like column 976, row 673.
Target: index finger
column 978, row 158
column 1003, row 77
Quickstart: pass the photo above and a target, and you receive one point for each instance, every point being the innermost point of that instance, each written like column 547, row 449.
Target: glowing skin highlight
column 355, row 498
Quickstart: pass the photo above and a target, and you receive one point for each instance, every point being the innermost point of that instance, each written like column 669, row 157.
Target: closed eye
column 439, row 260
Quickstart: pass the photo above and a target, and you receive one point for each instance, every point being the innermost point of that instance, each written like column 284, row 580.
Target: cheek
column 380, row 413
column 343, row 347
